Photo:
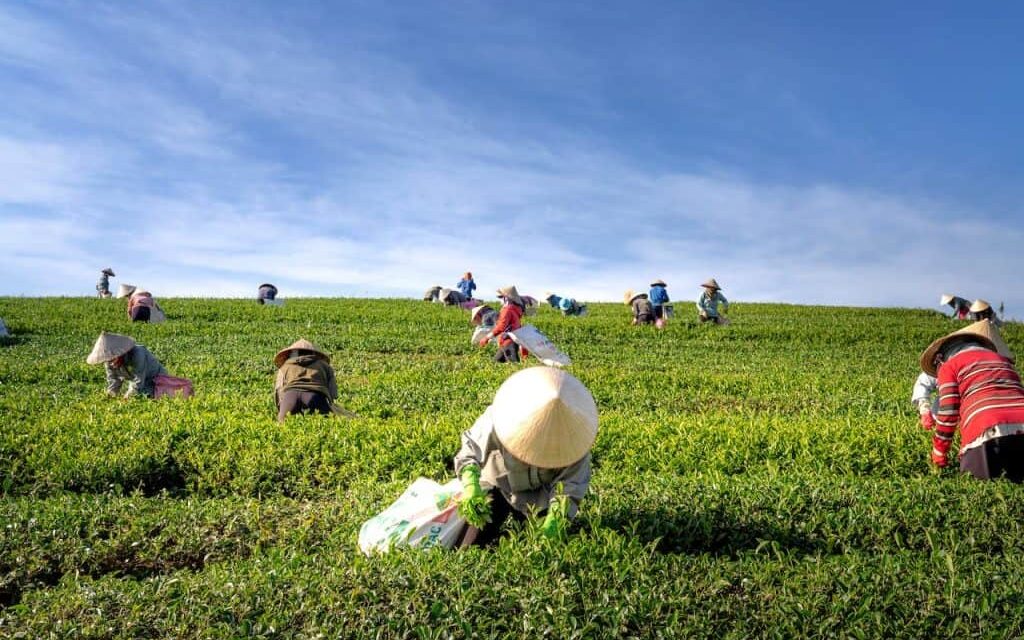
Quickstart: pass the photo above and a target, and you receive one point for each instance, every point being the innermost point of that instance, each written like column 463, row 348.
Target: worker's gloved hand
column 927, row 421
column 556, row 522
column 939, row 459
column 474, row 504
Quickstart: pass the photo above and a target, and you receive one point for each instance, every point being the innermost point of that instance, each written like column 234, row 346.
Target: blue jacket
column 466, row 287
column 658, row 294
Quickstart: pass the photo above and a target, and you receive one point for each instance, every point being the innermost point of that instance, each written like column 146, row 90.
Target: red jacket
column 509, row 319
column 978, row 389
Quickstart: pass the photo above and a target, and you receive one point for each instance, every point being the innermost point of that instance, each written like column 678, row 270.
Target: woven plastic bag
column 538, row 344
column 425, row 516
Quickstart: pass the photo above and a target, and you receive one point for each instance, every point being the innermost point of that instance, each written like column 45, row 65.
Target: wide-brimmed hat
column 634, row 296
column 109, row 346
column 476, row 311
column 711, row 283
column 299, row 345
column 142, row 292
column 545, row 417
column 983, row 330
column 110, row 272
column 945, row 299
column 267, row 284
column 980, row 305
column 125, row 290
column 659, row 283
column 512, row 294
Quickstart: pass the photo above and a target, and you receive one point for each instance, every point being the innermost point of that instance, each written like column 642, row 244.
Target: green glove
column 556, row 522
column 475, row 505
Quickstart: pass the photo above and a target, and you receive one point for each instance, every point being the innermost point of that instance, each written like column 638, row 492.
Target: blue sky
column 837, row 153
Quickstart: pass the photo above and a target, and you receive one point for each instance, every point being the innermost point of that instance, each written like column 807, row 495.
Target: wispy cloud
column 201, row 157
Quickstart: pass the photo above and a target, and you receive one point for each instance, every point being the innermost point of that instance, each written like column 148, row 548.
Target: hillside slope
column 762, row 479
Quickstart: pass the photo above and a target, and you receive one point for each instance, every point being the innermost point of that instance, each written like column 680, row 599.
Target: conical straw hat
column 711, row 283
column 945, row 299
column 659, row 282
column 980, row 305
column 302, row 345
column 109, row 346
column 109, row 272
column 125, row 290
column 628, row 296
column 983, row 329
column 545, row 417
column 475, row 313
column 511, row 293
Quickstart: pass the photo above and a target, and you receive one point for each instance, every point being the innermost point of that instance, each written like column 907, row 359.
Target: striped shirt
column 978, row 390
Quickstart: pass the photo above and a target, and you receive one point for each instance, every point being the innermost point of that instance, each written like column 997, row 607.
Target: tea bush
column 765, row 479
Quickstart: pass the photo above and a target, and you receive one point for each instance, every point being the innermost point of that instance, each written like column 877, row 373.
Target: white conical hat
column 980, row 305
column 945, row 299
column 299, row 345
column 711, row 283
column 983, row 329
column 125, row 290
column 475, row 313
column 109, row 346
column 545, row 417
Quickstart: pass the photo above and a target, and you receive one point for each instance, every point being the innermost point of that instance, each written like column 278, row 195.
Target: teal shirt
column 709, row 304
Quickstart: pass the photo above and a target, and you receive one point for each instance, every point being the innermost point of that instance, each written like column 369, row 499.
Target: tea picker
column 658, row 295
column 267, row 294
column 483, row 317
column 509, row 319
column 305, row 381
column 980, row 394
column 961, row 308
column 103, row 284
column 528, row 454
column 466, row 286
column 643, row 310
column 707, row 304
column 143, row 308
column 133, row 369
column 982, row 310
column 925, row 399
column 568, row 306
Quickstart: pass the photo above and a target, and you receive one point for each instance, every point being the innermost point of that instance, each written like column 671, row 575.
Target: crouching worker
column 982, row 310
column 266, row 293
column 643, row 310
column 305, row 380
column 925, row 399
column 143, row 308
column 528, row 454
column 509, row 319
column 568, row 306
column 980, row 393
column 483, row 317
column 131, row 367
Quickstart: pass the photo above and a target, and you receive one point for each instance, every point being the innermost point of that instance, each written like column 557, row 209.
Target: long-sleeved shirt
column 924, row 393
column 467, row 287
column 103, row 284
column 522, row 485
column 981, row 393
column 658, row 294
column 308, row 372
column 509, row 319
column 267, row 292
column 139, row 368
column 708, row 304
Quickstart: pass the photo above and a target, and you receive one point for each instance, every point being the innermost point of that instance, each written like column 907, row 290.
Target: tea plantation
column 765, row 479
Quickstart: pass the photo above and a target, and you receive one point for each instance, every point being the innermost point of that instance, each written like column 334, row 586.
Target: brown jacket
column 306, row 373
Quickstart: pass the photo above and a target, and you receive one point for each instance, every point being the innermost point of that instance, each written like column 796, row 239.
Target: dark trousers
column 140, row 314
column 997, row 458
column 295, row 401
column 659, row 311
column 501, row 511
column 508, row 353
